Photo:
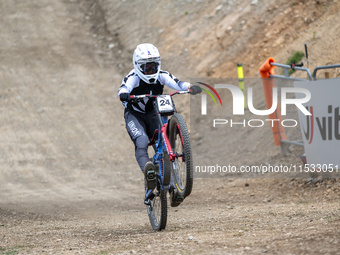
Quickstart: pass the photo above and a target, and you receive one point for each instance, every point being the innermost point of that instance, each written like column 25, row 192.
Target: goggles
column 149, row 68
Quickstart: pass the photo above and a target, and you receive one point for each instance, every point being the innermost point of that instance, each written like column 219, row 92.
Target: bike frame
column 162, row 144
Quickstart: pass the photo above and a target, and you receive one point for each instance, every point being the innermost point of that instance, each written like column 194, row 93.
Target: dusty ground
column 68, row 181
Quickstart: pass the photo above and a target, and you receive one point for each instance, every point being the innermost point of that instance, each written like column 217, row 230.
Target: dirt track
column 69, row 183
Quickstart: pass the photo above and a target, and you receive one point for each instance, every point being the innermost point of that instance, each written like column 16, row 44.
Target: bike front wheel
column 182, row 167
column 158, row 211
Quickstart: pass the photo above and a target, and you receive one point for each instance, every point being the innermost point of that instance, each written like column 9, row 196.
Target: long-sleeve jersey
column 135, row 86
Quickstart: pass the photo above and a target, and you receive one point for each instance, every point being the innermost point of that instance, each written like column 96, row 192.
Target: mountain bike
column 172, row 158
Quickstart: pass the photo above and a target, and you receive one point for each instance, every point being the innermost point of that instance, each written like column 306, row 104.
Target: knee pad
column 142, row 142
column 141, row 146
column 141, row 151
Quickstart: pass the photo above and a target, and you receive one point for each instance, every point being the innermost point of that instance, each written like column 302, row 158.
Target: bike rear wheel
column 182, row 168
column 158, row 211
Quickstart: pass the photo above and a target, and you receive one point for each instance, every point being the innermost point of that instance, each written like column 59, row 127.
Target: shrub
column 296, row 58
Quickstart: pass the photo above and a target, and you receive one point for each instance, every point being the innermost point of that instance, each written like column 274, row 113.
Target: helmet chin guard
column 147, row 62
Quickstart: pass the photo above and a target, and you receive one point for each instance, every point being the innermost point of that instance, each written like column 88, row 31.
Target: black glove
column 124, row 97
column 195, row 89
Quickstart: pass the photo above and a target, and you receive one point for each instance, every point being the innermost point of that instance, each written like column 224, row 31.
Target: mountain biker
column 140, row 119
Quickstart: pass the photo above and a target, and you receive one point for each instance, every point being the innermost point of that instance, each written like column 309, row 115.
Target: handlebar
column 139, row 97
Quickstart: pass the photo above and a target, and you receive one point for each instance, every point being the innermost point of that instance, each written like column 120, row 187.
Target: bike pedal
column 176, row 199
column 179, row 199
column 151, row 174
column 147, row 201
column 176, row 203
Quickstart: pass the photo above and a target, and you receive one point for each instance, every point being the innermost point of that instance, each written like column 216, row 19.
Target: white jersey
column 135, row 86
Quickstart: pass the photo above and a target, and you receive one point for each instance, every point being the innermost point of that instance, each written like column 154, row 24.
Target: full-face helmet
column 147, row 62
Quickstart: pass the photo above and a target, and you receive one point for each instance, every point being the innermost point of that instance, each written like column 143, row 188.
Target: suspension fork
column 180, row 135
column 163, row 123
column 166, row 140
column 182, row 142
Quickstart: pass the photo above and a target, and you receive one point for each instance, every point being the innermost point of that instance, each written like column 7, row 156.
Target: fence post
column 241, row 81
column 268, row 83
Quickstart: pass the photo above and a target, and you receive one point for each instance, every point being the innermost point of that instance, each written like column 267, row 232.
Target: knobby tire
column 180, row 144
column 158, row 212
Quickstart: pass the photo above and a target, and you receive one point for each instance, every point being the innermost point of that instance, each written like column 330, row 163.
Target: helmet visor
column 149, row 68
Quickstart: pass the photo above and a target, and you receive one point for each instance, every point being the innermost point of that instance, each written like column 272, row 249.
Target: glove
column 124, row 97
column 195, row 89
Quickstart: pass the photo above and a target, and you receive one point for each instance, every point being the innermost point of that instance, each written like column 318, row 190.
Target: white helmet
column 147, row 62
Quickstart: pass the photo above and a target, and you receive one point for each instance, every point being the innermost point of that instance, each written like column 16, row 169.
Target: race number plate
column 165, row 104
